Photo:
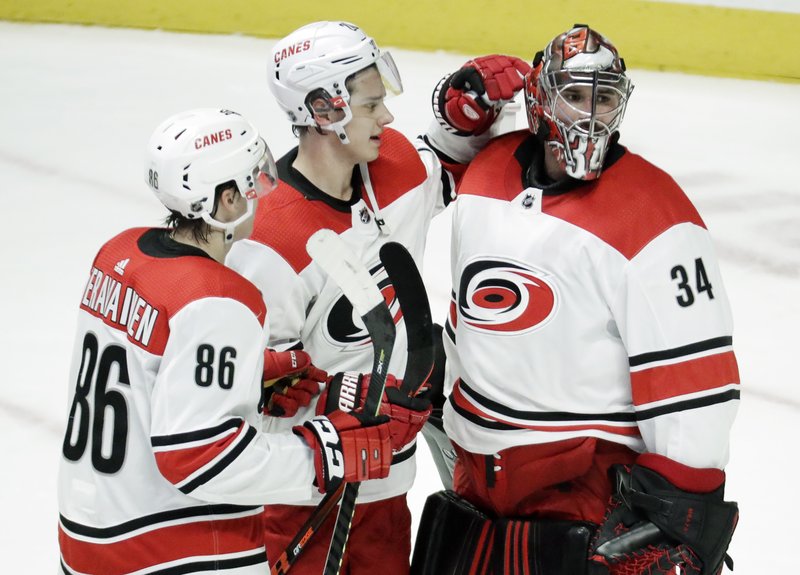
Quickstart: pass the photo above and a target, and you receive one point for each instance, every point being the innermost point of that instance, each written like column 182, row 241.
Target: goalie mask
column 191, row 153
column 575, row 95
column 312, row 64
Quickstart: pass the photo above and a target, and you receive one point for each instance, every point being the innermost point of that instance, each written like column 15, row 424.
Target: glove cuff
column 689, row 479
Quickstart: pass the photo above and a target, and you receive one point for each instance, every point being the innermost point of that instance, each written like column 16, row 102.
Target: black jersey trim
column 196, row 566
column 153, row 519
column 449, row 329
column 439, row 154
column 688, row 404
column 219, row 466
column 293, row 177
column 480, row 421
column 404, row 455
column 197, row 435
column 157, row 243
column 560, row 416
column 684, row 350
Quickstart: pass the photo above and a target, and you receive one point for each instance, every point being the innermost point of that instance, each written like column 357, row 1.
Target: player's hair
column 198, row 227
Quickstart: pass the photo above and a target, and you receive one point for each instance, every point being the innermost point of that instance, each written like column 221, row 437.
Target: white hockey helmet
column 315, row 61
column 192, row 152
column 579, row 137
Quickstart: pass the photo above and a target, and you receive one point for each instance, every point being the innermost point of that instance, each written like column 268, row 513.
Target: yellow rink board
column 653, row 35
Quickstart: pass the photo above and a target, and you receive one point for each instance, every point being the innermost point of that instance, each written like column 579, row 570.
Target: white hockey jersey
column 395, row 197
column 592, row 311
column 164, row 468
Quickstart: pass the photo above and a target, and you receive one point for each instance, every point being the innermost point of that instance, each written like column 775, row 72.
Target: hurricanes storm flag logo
column 504, row 297
column 343, row 326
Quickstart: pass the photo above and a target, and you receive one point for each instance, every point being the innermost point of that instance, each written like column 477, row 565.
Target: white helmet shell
column 318, row 58
column 191, row 153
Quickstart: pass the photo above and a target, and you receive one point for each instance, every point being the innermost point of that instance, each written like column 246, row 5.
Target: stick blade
column 336, row 258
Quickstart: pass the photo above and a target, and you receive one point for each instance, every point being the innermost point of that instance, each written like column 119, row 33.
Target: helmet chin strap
column 228, row 229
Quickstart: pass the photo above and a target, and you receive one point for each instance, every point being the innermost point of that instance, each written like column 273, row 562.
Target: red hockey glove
column 666, row 514
column 347, row 447
column 290, row 382
column 469, row 100
column 348, row 390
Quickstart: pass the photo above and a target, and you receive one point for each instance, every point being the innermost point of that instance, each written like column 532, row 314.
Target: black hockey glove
column 655, row 523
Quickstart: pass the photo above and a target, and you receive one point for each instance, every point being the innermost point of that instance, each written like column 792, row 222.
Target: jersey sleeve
column 282, row 289
column 204, row 429
column 675, row 320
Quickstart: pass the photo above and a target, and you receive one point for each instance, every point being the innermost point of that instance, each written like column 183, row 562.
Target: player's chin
column 372, row 150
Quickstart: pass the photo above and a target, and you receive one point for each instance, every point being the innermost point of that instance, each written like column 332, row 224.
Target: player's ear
column 322, row 110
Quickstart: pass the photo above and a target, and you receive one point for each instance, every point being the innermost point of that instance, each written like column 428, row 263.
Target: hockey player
column 590, row 343
column 163, row 466
column 355, row 175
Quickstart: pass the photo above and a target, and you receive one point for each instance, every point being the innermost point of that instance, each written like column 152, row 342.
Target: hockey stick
column 413, row 300
column 332, row 255
column 328, row 250
column 410, row 292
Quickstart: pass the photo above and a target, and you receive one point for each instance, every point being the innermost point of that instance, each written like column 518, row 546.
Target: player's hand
column 347, row 447
column 290, row 382
column 469, row 100
column 347, row 391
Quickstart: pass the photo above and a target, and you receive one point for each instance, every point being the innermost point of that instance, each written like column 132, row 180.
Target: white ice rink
column 77, row 105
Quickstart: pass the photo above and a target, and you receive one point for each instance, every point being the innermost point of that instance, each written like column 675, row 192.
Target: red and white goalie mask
column 575, row 96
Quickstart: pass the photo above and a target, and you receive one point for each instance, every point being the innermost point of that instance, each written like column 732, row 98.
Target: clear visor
column 589, row 103
column 264, row 177
column 389, row 74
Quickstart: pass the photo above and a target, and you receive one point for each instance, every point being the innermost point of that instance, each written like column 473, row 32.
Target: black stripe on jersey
column 220, row 465
column 692, row 348
column 404, row 455
column 478, row 420
column 448, row 183
column 197, row 566
column 198, row 435
column 449, row 329
column 696, row 403
column 544, row 416
column 154, row 519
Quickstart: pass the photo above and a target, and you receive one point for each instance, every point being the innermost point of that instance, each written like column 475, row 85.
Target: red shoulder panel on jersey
column 495, row 172
column 137, row 293
column 397, row 170
column 630, row 204
column 285, row 219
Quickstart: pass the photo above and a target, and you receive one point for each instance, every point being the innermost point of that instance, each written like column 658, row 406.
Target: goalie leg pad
column 456, row 538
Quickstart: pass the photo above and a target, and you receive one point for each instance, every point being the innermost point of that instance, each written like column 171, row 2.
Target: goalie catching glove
column 469, row 100
column 347, row 391
column 290, row 382
column 347, row 447
column 666, row 514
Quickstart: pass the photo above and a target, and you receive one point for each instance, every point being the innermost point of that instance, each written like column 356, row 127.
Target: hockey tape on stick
column 330, row 252
column 410, row 291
